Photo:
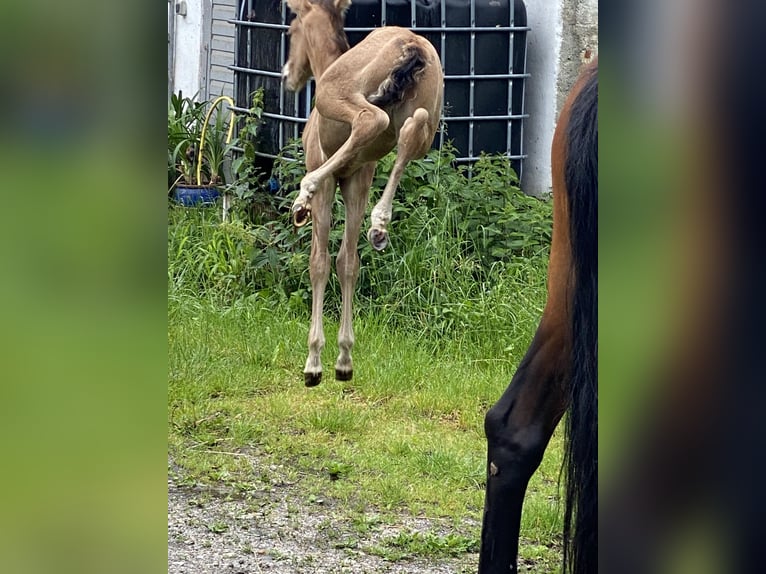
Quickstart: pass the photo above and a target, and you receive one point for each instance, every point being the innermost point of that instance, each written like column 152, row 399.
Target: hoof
column 343, row 375
column 312, row 379
column 378, row 238
column 301, row 216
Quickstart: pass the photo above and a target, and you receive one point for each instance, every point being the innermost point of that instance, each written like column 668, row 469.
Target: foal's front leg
column 355, row 190
column 319, row 271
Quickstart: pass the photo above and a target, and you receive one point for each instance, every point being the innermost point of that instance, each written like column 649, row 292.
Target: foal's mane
column 336, row 21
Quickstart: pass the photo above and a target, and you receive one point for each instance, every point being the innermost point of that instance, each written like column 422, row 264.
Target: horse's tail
column 581, row 457
column 401, row 78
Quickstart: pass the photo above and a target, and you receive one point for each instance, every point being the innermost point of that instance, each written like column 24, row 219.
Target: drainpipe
column 171, row 47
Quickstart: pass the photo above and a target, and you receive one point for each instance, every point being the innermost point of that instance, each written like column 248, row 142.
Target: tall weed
column 467, row 253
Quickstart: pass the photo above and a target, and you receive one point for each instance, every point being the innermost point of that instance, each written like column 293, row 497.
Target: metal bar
column 509, row 87
column 309, row 97
column 282, row 61
column 472, row 80
column 295, row 112
column 454, row 29
column 295, row 96
column 443, row 58
column 523, row 107
column 271, row 115
column 249, row 24
column 485, row 76
column 415, row 28
column 294, row 119
column 413, row 14
column 255, row 71
column 473, row 158
column 269, row 155
column 485, row 118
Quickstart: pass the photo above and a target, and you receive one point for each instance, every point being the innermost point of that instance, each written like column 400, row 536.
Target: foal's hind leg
column 367, row 122
column 414, row 140
column 518, row 428
column 355, row 190
column 319, row 271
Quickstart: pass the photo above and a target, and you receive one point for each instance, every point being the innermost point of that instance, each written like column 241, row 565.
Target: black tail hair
column 581, row 457
column 403, row 76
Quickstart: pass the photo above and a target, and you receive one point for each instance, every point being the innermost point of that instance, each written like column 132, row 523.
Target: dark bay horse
column 384, row 92
column 558, row 371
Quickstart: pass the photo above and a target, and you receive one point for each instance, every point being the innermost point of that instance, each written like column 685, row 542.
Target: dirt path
column 273, row 531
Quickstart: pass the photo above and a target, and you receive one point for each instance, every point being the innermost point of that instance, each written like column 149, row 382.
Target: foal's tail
column 581, row 177
column 403, row 75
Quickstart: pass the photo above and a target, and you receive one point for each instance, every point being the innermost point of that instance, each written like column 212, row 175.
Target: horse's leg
column 319, row 271
column 414, row 140
column 367, row 122
column 355, row 190
column 518, row 428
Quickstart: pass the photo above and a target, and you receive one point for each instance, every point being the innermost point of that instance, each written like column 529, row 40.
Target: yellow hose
column 204, row 127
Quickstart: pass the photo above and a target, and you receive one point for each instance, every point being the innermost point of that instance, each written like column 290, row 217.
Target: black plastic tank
column 481, row 43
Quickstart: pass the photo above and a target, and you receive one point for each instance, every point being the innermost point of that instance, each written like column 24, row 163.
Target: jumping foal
column 386, row 92
column 559, row 369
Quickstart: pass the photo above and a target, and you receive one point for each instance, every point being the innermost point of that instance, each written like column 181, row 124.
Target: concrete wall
column 563, row 35
column 579, row 42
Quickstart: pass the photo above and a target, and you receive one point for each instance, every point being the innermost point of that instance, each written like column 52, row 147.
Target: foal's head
column 316, row 38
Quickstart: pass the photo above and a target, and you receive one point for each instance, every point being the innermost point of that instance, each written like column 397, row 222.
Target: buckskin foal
column 384, row 92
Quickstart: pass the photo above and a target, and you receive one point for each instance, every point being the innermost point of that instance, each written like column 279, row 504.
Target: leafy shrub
column 247, row 175
column 461, row 246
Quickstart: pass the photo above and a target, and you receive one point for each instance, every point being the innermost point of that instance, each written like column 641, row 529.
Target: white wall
column 543, row 49
column 189, row 55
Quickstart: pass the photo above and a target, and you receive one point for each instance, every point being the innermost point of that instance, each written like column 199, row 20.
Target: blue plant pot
column 191, row 195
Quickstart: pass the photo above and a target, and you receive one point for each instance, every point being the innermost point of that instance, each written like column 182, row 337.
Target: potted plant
column 197, row 149
column 185, row 118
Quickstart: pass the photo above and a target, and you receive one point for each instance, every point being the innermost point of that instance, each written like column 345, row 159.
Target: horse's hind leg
column 414, row 140
column 319, row 271
column 367, row 122
column 355, row 190
column 518, row 428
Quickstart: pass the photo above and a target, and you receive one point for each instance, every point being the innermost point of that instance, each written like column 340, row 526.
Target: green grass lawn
column 443, row 317
column 404, row 437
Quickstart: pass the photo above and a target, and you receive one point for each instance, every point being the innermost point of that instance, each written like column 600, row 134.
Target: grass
column 405, row 436
column 443, row 317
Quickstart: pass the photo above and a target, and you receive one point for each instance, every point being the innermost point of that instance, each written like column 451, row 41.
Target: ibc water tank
column 481, row 43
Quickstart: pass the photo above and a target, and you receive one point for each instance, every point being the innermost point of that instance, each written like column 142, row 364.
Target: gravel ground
column 274, row 531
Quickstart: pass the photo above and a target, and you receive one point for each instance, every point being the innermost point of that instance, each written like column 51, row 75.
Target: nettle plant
column 460, row 244
column 448, row 224
column 247, row 177
column 482, row 206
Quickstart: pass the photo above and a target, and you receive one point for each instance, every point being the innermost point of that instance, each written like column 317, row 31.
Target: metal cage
column 482, row 45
